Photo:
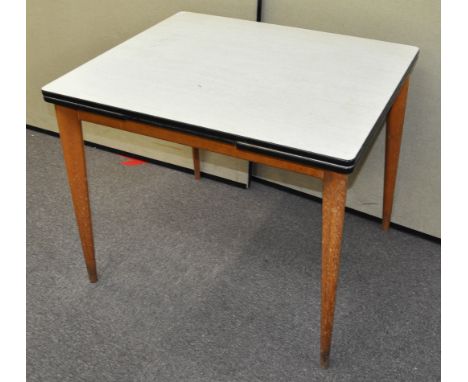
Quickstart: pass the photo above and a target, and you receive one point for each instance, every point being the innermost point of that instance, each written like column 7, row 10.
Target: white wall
column 64, row 34
column 416, row 22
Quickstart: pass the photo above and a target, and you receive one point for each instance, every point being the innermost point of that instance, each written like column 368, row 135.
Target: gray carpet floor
column 203, row 281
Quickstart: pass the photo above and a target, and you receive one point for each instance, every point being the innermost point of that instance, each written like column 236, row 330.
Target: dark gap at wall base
column 349, row 210
column 143, row 158
column 241, row 185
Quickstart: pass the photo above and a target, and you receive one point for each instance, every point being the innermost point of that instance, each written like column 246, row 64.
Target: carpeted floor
column 202, row 281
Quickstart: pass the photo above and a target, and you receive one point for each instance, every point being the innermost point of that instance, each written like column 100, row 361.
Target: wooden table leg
column 394, row 131
column 333, row 210
column 196, row 162
column 71, row 136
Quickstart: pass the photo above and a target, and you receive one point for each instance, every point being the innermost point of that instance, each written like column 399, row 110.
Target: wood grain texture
column 334, row 196
column 71, row 136
column 199, row 142
column 196, row 163
column 394, row 132
column 333, row 211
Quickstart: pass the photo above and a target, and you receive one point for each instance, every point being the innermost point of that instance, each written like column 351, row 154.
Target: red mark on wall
column 131, row 161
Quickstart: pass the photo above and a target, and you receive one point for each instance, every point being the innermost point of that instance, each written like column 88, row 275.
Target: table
column 295, row 99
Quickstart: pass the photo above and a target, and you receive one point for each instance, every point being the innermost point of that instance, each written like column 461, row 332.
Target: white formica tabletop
column 297, row 92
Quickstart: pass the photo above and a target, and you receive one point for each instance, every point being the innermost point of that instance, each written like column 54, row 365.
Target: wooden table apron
column 334, row 188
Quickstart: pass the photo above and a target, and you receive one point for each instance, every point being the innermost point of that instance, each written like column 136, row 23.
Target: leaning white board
column 312, row 91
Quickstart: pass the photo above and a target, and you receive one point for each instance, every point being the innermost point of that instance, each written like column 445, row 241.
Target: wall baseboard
column 143, row 158
column 348, row 210
column 241, row 185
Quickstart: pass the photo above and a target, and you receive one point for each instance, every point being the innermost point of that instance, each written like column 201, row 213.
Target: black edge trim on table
column 381, row 120
column 295, row 155
column 242, row 143
column 237, row 184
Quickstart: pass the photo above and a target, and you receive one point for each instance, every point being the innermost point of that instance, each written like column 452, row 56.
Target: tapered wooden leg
column 196, row 162
column 333, row 210
column 394, row 131
column 71, row 136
